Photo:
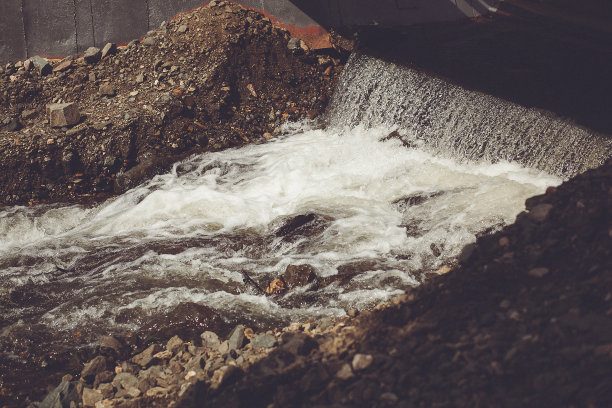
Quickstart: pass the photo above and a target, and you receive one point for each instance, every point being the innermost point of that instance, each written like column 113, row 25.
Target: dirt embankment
column 218, row 77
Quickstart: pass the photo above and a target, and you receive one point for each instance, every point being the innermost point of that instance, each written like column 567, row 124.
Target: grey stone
column 125, row 381
column 109, row 49
column 42, row 65
column 237, row 339
column 140, row 78
column 92, row 55
column 345, row 372
column 298, row 343
column 63, row 114
column 362, row 361
column 299, row 275
column 110, row 343
column 62, row 396
column 145, row 358
column 92, row 368
column 63, row 65
column 149, row 41
column 107, row 89
column 294, row 44
column 90, row 397
column 183, row 29
column 263, row 341
column 175, row 344
column 28, row 114
column 12, row 125
column 210, row 340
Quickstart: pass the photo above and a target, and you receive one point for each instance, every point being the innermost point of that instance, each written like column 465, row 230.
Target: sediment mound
column 218, row 77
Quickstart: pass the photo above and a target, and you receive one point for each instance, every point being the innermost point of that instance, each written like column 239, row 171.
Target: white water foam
column 186, row 236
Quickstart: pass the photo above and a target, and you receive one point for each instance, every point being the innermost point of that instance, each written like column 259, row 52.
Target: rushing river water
column 347, row 199
column 388, row 211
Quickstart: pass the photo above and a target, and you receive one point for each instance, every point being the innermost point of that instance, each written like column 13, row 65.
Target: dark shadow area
column 531, row 59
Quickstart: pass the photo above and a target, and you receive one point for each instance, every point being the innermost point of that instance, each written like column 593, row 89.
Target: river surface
column 386, row 212
column 406, row 170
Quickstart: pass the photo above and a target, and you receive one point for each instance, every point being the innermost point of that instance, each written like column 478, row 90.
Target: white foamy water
column 188, row 235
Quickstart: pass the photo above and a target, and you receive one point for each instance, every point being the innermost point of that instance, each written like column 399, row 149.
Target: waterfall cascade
column 458, row 122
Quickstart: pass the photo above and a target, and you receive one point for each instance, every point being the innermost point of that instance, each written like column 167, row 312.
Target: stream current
column 346, row 198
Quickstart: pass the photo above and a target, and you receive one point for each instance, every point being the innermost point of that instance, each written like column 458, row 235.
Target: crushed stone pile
column 88, row 127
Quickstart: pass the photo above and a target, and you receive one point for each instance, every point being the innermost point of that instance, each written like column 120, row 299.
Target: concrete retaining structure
column 64, row 27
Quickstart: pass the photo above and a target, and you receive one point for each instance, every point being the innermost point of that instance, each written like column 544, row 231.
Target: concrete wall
column 63, row 27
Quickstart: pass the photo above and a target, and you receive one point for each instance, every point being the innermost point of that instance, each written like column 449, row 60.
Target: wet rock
column 298, row 343
column 362, row 361
column 92, row 55
column 147, row 168
column 42, row 65
column 108, row 50
column 61, row 397
column 63, row 114
column 145, row 358
column 90, row 397
column 299, row 275
column 540, row 212
column 63, row 65
column 263, row 340
column 237, row 339
column 107, row 89
column 187, row 320
column 435, row 250
column 210, row 340
column 93, row 367
column 111, row 346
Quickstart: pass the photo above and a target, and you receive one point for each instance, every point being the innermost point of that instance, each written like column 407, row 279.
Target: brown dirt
column 230, row 79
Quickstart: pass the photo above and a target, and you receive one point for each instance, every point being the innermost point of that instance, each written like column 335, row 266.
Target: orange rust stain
column 315, row 36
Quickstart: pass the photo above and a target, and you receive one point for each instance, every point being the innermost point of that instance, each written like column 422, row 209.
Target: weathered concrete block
column 42, row 65
column 92, row 55
column 63, row 114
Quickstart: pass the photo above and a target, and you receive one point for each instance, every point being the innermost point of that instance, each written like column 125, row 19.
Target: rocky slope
column 218, row 77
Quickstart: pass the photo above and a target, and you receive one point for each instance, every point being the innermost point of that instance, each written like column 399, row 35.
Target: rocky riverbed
column 218, row 77
column 525, row 320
